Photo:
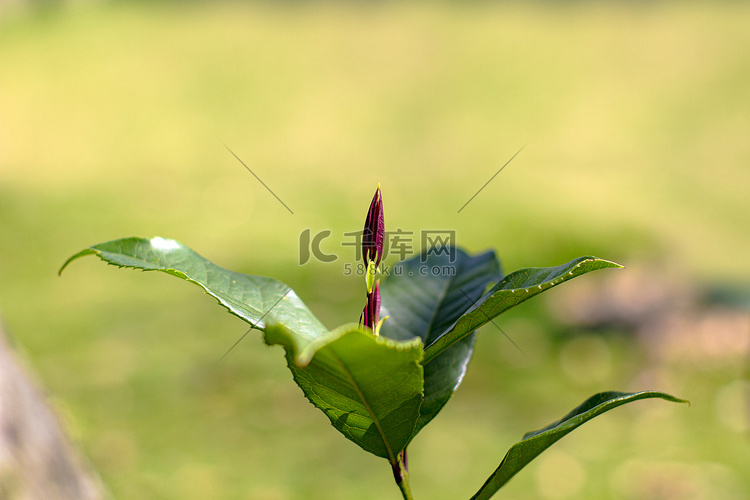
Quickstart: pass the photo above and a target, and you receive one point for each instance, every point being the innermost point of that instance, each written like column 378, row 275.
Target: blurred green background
column 636, row 121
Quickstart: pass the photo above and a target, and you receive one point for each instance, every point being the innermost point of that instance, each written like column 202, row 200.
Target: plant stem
column 405, row 490
column 402, row 479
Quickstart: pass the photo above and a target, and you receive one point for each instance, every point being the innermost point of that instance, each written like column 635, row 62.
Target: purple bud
column 371, row 313
column 372, row 237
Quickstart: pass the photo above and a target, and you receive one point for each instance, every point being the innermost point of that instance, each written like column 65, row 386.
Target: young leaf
column 534, row 443
column 422, row 297
column 369, row 387
column 255, row 299
column 515, row 288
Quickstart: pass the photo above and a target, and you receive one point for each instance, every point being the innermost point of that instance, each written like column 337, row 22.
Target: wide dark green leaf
column 369, row 387
column 515, row 288
column 255, row 299
column 534, row 443
column 422, row 297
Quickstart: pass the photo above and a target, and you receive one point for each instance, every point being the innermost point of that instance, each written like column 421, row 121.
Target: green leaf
column 369, row 387
column 515, row 288
column 425, row 295
column 534, row 443
column 255, row 299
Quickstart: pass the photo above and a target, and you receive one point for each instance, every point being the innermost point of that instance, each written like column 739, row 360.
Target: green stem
column 405, row 491
column 402, row 478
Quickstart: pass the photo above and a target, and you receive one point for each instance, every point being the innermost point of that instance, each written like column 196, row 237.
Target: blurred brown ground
column 37, row 461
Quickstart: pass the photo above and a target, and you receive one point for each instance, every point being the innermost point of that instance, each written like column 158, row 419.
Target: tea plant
column 382, row 380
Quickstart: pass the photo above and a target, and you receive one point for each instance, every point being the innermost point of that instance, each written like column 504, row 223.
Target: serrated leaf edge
column 431, row 354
